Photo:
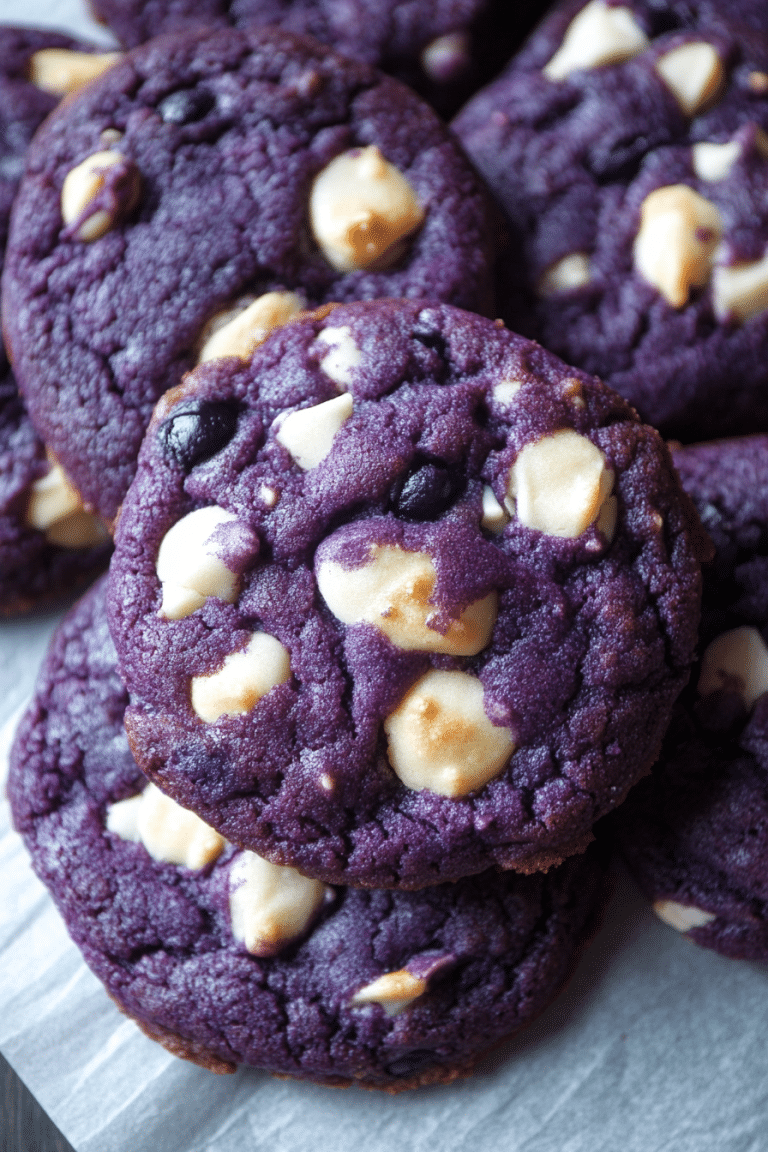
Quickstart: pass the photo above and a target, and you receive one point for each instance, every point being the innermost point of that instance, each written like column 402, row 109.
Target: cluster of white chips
column 440, row 737
column 678, row 246
column 269, row 905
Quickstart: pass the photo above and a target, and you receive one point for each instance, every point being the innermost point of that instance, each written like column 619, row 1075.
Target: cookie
column 46, row 540
column 227, row 959
column 37, row 68
column 207, row 174
column 629, row 147
column 49, row 544
column 402, row 598
column 444, row 51
column 695, row 834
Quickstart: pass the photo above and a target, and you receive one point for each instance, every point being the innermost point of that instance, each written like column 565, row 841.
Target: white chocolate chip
column 495, row 518
column 270, row 905
column 189, row 566
column 79, row 529
column 242, row 680
column 566, row 275
column 54, row 508
column 758, row 82
column 440, row 738
column 327, row 782
column 713, row 162
column 241, row 332
column 394, row 991
column 693, row 73
column 559, row 484
column 81, row 186
column 268, row 495
column 308, row 433
column 52, row 498
column 61, row 71
column 683, row 917
column 169, row 833
column 344, row 356
column 361, row 210
column 740, row 291
column 505, row 392
column 598, row 35
column 739, row 655
column 110, row 136
column 606, row 521
column 446, row 57
column 393, row 591
column 675, row 247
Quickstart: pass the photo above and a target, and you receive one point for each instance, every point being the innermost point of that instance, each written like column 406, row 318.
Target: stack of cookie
column 400, row 604
column 628, row 145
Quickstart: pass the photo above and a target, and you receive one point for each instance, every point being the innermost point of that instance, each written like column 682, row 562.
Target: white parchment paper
column 655, row 1046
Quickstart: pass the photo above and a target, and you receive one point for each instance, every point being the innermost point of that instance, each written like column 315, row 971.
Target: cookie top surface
column 445, row 51
column 465, row 574
column 195, row 178
column 695, row 834
column 628, row 145
column 385, row 988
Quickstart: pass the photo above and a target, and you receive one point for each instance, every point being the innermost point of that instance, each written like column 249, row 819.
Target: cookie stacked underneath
column 695, row 835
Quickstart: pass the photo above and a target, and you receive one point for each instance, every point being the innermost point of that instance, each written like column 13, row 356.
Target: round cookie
column 695, row 834
column 46, row 543
column 206, row 173
column 445, row 51
column 402, row 598
column 226, row 959
column 628, row 145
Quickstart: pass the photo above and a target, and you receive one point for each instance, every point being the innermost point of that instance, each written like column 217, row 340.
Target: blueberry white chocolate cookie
column 401, row 598
column 628, row 143
column 228, row 959
column 211, row 181
column 695, row 834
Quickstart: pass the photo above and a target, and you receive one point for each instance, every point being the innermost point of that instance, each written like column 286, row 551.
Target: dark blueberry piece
column 428, row 491
column 433, row 340
column 411, row 1062
column 198, row 430
column 186, row 105
column 620, row 159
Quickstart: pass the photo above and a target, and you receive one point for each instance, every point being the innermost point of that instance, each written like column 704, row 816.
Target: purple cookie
column 402, row 598
column 48, row 544
column 36, row 68
column 444, row 50
column 205, row 173
column 627, row 144
column 226, row 959
column 695, row 834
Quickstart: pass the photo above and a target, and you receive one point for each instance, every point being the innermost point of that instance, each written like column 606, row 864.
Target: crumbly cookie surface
column 184, row 186
column 628, row 145
column 386, row 989
column 695, row 834
column 401, row 598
